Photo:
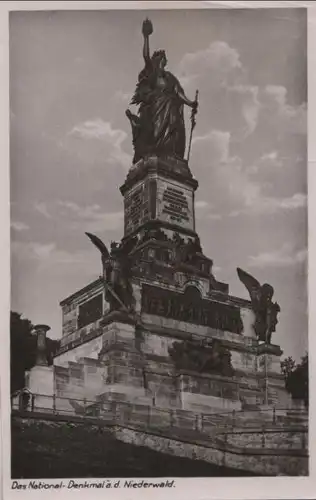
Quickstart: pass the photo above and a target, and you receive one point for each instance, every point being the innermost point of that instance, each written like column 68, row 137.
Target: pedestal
column 269, row 358
column 40, row 382
column 272, row 381
column 207, row 394
column 125, row 375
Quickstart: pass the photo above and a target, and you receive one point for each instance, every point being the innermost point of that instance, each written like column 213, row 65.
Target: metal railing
column 179, row 422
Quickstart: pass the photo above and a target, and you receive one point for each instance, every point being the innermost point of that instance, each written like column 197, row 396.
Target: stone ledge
column 91, row 286
column 170, row 167
column 269, row 349
column 182, row 435
column 246, row 459
column 167, row 331
column 118, row 317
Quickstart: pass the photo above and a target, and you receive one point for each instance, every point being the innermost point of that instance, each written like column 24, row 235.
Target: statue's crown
column 158, row 53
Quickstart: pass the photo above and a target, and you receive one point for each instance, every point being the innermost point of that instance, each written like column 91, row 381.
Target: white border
column 187, row 488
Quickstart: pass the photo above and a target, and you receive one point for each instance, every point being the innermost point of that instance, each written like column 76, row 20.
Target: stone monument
column 157, row 327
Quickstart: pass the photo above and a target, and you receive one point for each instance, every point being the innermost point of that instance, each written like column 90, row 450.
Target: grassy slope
column 61, row 450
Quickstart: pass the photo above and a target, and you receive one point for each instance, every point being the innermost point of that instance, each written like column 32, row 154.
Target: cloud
column 216, row 269
column 282, row 257
column 98, row 129
column 201, row 204
column 123, row 96
column 214, row 216
column 87, row 212
column 298, row 200
column 19, row 226
column 219, row 60
column 269, row 205
column 292, row 119
column 271, row 159
column 43, row 251
column 228, row 97
column 249, row 105
column 235, row 187
column 233, row 101
column 206, row 210
column 41, row 207
column 272, row 156
column 217, row 141
column 46, row 255
column 95, row 219
column 106, row 142
column 229, row 183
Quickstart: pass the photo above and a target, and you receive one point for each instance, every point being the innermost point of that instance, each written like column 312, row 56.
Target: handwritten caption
column 107, row 483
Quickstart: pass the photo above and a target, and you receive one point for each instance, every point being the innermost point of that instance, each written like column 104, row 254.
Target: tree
column 23, row 347
column 287, row 366
column 296, row 378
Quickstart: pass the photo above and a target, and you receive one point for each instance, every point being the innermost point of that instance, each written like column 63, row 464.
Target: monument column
column 41, row 356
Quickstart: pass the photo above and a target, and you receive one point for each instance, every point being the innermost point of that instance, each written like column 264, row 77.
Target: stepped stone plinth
column 181, row 341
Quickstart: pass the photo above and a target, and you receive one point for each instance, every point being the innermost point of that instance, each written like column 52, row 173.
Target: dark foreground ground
column 64, row 450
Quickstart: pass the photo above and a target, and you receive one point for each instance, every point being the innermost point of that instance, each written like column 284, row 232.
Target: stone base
column 208, row 404
column 40, row 382
column 269, row 359
column 125, row 393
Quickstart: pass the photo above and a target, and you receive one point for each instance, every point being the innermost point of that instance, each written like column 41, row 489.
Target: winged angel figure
column 265, row 310
column 117, row 273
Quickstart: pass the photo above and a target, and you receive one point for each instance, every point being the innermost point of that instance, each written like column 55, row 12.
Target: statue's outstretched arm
column 146, row 53
column 146, row 30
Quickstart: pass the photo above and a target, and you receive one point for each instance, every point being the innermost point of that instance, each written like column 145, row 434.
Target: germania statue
column 158, row 128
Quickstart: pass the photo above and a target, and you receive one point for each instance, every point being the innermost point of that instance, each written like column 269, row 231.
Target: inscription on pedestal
column 191, row 308
column 175, row 204
column 136, row 207
column 90, row 311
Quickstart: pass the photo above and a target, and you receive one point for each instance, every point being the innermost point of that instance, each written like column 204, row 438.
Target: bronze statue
column 159, row 127
column 117, row 273
column 265, row 310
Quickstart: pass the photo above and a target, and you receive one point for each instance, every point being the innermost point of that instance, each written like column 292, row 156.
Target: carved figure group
column 186, row 252
column 194, row 356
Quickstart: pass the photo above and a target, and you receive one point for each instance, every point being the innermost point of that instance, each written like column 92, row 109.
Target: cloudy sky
column 72, row 75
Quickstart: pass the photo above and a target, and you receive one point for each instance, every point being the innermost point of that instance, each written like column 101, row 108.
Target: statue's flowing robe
column 161, row 121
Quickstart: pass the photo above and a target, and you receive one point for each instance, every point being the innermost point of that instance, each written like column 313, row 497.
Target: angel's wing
column 99, row 244
column 253, row 286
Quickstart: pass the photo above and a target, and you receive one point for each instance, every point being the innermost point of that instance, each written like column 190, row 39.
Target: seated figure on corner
column 159, row 127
